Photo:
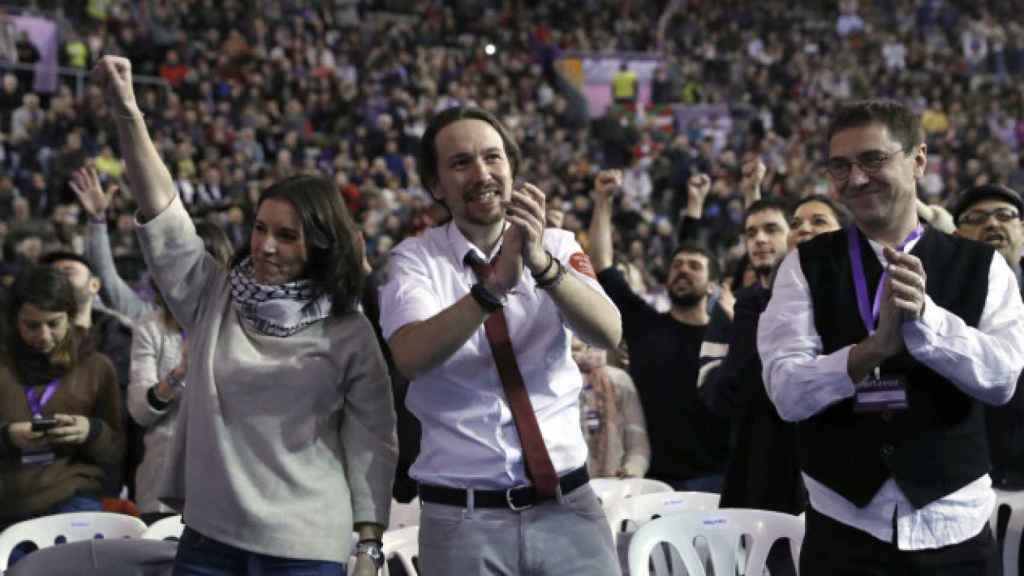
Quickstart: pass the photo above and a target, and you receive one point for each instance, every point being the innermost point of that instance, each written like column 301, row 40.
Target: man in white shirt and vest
column 882, row 340
column 480, row 313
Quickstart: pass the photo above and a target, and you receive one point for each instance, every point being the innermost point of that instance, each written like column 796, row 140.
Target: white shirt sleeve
column 983, row 362
column 408, row 295
column 800, row 380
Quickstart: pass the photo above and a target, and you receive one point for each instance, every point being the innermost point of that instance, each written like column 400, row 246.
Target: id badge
column 41, row 458
column 881, row 394
column 592, row 419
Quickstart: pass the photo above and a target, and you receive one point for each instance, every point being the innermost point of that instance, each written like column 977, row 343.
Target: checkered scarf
column 278, row 310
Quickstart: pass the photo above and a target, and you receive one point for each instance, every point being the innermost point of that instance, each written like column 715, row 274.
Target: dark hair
column 50, row 290
column 334, row 252
column 903, row 124
column 840, row 212
column 426, row 163
column 767, row 205
column 216, row 241
column 714, row 270
column 51, row 258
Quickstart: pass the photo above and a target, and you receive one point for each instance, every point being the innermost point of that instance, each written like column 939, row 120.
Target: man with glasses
column 881, row 341
column 991, row 213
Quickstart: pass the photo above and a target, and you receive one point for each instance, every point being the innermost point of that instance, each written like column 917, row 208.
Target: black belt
column 519, row 498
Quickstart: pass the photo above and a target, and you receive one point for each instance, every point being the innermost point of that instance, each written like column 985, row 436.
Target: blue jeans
column 202, row 556
column 73, row 504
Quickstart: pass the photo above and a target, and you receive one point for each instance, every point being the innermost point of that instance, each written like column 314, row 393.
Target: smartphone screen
column 43, row 424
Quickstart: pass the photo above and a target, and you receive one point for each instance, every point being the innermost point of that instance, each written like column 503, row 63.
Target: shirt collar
column 462, row 246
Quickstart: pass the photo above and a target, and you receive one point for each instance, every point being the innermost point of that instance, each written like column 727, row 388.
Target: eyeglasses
column 870, row 162
column 979, row 217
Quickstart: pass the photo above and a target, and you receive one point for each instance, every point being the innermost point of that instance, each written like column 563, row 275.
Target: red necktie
column 538, row 461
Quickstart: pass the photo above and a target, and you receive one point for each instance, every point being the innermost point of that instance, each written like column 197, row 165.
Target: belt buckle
column 512, row 504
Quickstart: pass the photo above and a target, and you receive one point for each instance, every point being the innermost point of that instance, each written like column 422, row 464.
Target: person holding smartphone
column 60, row 406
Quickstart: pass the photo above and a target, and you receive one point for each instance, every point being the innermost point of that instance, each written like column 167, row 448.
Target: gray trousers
column 555, row 538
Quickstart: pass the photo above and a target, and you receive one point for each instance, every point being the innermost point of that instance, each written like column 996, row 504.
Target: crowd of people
column 215, row 235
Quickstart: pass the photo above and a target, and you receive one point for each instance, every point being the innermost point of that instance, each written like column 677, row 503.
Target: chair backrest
column 404, row 515
column 609, row 490
column 723, row 532
column 1013, row 503
column 639, row 486
column 169, row 528
column 403, row 545
column 634, row 511
column 56, row 529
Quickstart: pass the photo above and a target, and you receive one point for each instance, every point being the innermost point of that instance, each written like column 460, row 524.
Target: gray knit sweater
column 281, row 443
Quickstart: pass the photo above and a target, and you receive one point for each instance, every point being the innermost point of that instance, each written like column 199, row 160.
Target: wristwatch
column 487, row 300
column 373, row 550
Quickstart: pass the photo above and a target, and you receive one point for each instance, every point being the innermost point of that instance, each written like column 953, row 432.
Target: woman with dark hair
column 60, row 407
column 285, row 442
column 814, row 215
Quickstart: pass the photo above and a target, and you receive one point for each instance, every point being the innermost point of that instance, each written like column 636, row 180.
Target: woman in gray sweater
column 285, row 440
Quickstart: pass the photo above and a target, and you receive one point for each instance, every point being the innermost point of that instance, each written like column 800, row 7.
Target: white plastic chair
column 54, row 529
column 169, row 528
column 639, row 486
column 1014, row 502
column 723, row 532
column 609, row 490
column 404, row 515
column 631, row 512
column 404, row 545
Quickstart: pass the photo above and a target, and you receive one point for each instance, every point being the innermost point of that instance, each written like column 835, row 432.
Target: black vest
column 936, row 446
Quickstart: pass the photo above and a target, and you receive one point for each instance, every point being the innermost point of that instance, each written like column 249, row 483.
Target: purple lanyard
column 35, row 404
column 870, row 316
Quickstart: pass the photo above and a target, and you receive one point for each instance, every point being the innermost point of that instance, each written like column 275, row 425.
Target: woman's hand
column 22, row 436
column 70, row 430
column 364, row 566
column 114, row 74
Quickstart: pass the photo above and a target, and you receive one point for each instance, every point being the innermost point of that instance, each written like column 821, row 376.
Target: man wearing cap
column 882, row 341
column 991, row 213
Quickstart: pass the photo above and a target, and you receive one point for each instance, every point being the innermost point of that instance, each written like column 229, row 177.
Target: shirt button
column 887, row 450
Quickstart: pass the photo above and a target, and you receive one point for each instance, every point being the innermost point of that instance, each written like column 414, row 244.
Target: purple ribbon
column 35, row 403
column 870, row 316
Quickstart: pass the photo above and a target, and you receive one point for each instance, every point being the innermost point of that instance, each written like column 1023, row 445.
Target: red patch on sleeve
column 581, row 263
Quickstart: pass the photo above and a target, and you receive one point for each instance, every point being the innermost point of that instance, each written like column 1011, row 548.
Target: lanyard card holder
column 881, row 394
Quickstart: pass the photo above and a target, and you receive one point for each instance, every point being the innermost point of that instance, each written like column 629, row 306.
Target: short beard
column 685, row 300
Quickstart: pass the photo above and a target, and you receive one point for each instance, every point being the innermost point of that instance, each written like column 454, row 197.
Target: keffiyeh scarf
column 279, row 310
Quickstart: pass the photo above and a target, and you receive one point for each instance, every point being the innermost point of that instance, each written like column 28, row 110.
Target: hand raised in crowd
column 907, row 280
column 607, row 183
column 752, row 175
column 26, row 439
column 697, row 189
column 114, row 75
column 94, row 200
column 71, row 429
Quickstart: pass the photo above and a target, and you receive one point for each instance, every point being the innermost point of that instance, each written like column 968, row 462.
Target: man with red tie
column 480, row 313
